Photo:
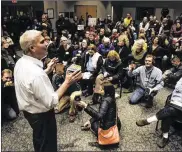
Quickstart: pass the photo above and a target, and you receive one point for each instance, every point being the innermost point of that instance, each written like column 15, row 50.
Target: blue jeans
column 137, row 95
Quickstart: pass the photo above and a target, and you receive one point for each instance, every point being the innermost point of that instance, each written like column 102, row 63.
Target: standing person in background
column 35, row 94
column 45, row 24
column 127, row 20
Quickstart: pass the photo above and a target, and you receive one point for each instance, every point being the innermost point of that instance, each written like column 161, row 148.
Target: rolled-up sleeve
column 43, row 91
column 134, row 72
column 159, row 81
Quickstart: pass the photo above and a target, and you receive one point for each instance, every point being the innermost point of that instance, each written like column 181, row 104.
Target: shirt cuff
column 55, row 98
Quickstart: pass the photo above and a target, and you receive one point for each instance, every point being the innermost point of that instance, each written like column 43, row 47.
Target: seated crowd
column 141, row 59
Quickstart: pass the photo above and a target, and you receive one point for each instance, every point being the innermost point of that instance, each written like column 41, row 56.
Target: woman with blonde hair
column 111, row 72
column 139, row 51
column 112, row 68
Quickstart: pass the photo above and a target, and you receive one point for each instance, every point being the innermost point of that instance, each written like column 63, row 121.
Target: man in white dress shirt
column 34, row 91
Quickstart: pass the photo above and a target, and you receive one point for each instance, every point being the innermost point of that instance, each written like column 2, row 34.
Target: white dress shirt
column 34, row 90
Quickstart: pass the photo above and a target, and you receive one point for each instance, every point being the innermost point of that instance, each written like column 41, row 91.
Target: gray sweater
column 176, row 98
column 148, row 78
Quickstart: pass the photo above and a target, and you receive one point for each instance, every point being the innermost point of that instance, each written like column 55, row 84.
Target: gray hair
column 28, row 39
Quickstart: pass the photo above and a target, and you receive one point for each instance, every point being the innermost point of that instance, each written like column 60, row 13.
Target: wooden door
column 82, row 10
column 92, row 10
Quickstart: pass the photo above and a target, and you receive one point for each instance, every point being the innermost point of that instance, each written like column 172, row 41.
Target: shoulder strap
column 116, row 113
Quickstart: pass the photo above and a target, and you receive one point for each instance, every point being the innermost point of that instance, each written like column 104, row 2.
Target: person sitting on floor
column 168, row 114
column 111, row 72
column 104, row 48
column 9, row 103
column 106, row 117
column 73, row 93
column 150, row 81
column 91, row 65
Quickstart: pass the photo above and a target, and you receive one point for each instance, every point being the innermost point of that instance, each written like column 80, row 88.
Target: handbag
column 109, row 136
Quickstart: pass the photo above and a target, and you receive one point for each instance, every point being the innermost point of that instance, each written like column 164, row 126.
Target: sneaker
column 162, row 142
column 142, row 122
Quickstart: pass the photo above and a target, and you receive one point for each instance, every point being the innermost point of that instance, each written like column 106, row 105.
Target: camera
column 147, row 94
column 73, row 68
column 77, row 99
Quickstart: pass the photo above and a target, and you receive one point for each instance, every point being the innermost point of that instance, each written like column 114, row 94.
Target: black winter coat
column 64, row 55
column 176, row 74
column 123, row 53
column 52, row 50
column 113, row 68
column 106, row 114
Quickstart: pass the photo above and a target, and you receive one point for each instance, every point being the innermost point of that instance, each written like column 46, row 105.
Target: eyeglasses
column 8, row 78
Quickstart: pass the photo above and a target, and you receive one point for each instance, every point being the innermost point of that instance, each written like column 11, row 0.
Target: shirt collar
column 149, row 70
column 34, row 60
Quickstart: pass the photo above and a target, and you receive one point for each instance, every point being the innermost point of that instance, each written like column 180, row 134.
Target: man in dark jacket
column 172, row 75
column 168, row 114
column 60, row 23
column 45, row 25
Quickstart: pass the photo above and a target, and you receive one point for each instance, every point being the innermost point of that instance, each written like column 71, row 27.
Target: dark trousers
column 87, row 84
column 168, row 115
column 44, row 131
column 9, row 98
